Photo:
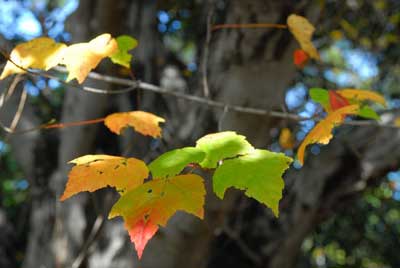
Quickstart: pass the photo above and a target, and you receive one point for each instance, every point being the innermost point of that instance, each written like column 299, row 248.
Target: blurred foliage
column 365, row 235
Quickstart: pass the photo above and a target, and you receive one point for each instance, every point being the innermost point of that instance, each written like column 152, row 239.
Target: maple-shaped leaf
column 286, row 139
column 300, row 58
column 321, row 133
column 153, row 203
column 303, row 30
column 40, row 53
column 361, row 95
column 259, row 173
column 336, row 100
column 221, row 145
column 173, row 162
column 81, row 58
column 93, row 172
column 122, row 57
column 143, row 122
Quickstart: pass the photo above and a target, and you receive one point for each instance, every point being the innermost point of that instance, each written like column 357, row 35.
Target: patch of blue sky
column 342, row 79
column 53, row 84
column 32, row 89
column 16, row 21
column 394, row 176
column 176, row 25
column 295, row 96
column 162, row 28
column 192, row 66
column 362, row 65
column 361, row 62
column 3, row 147
column 163, row 17
column 55, row 20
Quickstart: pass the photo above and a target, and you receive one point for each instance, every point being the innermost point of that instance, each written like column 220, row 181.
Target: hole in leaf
column 149, row 191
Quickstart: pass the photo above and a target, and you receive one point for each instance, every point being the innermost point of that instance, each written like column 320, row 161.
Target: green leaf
column 122, row 57
column 221, row 145
column 173, row 162
column 368, row 113
column 258, row 173
column 320, row 96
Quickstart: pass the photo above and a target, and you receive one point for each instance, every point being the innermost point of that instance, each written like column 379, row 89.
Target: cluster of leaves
column 151, row 194
column 338, row 104
column 44, row 53
column 147, row 205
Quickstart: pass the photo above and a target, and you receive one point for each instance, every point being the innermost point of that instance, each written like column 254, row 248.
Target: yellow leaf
column 93, row 172
column 321, row 133
column 143, row 122
column 361, row 95
column 40, row 53
column 397, row 122
column 286, row 140
column 303, row 30
column 81, row 58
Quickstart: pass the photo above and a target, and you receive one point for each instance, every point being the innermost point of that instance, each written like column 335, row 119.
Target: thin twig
column 97, row 226
column 132, row 85
column 206, row 89
column 20, row 108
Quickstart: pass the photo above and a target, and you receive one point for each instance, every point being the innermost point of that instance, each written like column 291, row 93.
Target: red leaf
column 141, row 233
column 300, row 58
column 337, row 101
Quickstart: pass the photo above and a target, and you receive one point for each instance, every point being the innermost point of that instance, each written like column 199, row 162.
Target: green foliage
column 368, row 112
column 173, row 162
column 219, row 146
column 320, row 95
column 259, row 173
column 122, row 57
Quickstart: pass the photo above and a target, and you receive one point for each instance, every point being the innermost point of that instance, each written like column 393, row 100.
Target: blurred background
column 341, row 209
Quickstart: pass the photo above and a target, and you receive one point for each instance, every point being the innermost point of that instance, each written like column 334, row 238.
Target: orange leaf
column 286, row 139
column 336, row 100
column 321, row 133
column 361, row 95
column 81, row 58
column 40, row 53
column 303, row 30
column 93, row 172
column 143, row 122
column 300, row 58
column 153, row 203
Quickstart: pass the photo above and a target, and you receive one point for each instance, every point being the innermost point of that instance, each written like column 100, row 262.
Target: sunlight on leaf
column 40, row 53
column 173, row 162
column 321, row 133
column 81, row 58
column 122, row 57
column 221, row 145
column 303, row 30
column 259, row 173
column 143, row 122
column 93, row 172
column 153, row 203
